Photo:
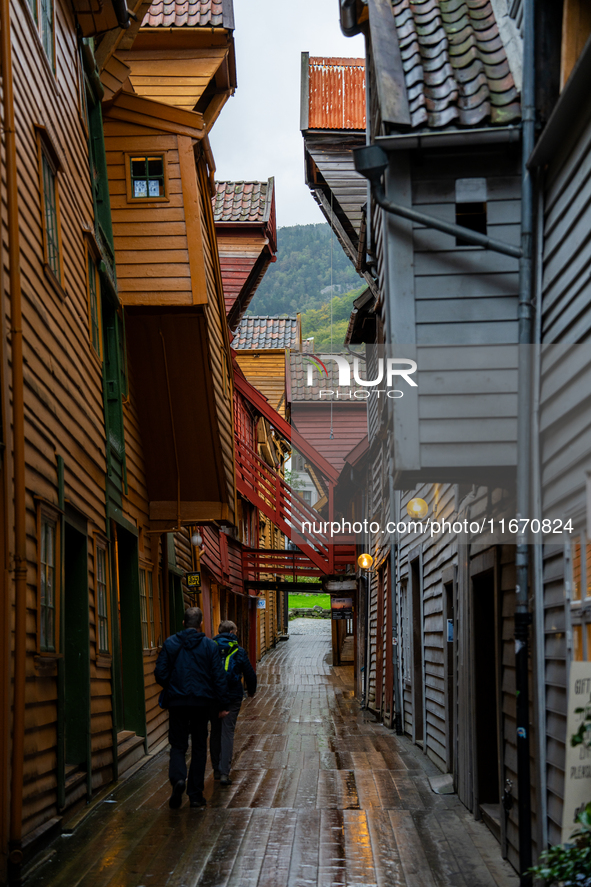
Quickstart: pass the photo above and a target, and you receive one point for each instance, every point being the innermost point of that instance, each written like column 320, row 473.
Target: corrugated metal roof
column 188, row 13
column 336, row 93
column 455, row 65
column 266, row 332
column 243, row 201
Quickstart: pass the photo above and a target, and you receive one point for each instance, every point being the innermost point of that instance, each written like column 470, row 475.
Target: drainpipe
column 15, row 855
column 524, row 419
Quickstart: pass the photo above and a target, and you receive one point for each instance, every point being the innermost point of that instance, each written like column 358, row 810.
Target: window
column 47, row 590
column 102, row 600
column 46, row 27
column 307, row 496
column 94, row 312
column 147, row 177
column 144, row 611
column 44, row 15
column 471, row 195
column 147, row 608
column 50, row 215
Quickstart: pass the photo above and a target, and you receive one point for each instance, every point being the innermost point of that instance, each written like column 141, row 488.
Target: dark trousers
column 221, row 741
column 185, row 721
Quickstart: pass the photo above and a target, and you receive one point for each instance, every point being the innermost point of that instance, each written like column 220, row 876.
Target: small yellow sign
column 193, row 580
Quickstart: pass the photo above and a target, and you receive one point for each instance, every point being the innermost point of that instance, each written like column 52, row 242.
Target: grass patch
column 305, row 601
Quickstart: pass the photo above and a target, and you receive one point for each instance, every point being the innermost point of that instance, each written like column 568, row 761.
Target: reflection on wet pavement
column 322, row 796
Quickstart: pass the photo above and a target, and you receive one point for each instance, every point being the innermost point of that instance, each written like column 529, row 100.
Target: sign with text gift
column 577, row 777
column 341, row 607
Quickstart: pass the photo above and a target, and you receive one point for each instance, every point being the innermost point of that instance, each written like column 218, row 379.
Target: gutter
column 15, row 855
column 485, row 135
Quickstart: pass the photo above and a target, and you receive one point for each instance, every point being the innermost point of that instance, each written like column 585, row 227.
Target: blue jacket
column 190, row 669
column 238, row 667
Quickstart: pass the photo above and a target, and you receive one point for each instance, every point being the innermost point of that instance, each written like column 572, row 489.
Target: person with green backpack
column 237, row 666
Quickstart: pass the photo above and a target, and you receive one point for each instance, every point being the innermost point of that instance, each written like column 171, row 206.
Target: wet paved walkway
column 322, row 796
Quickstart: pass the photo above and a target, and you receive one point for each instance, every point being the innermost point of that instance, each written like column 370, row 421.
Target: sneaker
column 225, row 780
column 217, row 774
column 176, row 797
column 199, row 802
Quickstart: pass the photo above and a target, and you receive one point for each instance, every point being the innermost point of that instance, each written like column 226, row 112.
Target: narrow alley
column 322, row 795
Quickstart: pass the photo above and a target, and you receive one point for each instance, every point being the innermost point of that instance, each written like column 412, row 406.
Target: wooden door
column 76, row 649
column 380, row 643
column 388, row 651
column 449, row 665
column 215, row 609
column 418, row 689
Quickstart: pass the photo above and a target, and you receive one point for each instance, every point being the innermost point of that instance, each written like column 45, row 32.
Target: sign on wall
column 341, row 607
column 193, row 581
column 577, row 777
column 261, row 603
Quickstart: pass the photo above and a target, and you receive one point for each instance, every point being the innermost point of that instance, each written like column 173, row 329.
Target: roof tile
column 266, row 332
column 460, row 68
column 242, row 201
column 188, row 13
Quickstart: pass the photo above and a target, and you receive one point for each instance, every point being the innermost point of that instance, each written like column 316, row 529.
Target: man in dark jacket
column 237, row 665
column 191, row 671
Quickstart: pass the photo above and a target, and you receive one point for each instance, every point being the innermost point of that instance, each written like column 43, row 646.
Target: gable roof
column 189, row 14
column 267, row 332
column 243, row 201
column 454, row 63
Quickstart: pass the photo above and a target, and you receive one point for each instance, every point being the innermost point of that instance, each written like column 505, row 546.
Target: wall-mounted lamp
column 365, row 561
column 417, row 508
column 197, row 539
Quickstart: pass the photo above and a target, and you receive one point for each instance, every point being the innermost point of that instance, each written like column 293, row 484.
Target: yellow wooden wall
column 265, row 369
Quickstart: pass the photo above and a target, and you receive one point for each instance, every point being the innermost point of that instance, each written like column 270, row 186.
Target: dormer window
column 147, row 177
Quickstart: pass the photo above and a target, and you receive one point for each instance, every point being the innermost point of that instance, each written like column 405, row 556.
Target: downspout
column 524, row 420
column 15, row 855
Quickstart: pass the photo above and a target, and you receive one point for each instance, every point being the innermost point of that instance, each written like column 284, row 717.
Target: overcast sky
column 257, row 135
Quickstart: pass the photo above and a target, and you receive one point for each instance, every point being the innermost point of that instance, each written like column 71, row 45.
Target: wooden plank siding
column 62, row 374
column 265, row 369
column 565, row 426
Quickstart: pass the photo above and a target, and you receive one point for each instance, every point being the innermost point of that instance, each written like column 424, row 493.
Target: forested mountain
column 302, row 270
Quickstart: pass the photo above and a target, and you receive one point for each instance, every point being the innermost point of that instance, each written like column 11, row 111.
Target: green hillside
column 295, row 283
column 302, row 270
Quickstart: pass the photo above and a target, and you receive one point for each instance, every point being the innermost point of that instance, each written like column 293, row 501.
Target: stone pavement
column 322, row 796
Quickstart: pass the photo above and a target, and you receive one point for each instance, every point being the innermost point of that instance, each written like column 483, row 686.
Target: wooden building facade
column 114, row 237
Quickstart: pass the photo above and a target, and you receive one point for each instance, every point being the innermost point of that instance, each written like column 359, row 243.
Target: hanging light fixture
column 365, row 561
column 196, row 539
column 417, row 508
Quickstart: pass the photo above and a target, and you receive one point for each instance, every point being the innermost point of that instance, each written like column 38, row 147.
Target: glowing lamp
column 365, row 561
column 417, row 508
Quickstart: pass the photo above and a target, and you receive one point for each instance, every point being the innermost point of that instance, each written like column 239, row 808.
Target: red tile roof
column 266, row 332
column 188, row 13
column 455, row 64
column 336, row 93
column 243, row 201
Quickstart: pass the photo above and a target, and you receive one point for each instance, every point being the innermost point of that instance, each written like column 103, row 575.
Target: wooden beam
column 191, row 512
column 193, row 220
column 389, row 73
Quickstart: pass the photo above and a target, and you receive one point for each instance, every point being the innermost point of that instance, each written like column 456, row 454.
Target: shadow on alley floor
column 322, row 796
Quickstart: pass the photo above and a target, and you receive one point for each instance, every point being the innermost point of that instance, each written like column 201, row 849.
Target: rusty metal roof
column 187, row 13
column 243, row 201
column 455, row 66
column 336, row 93
column 267, row 332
